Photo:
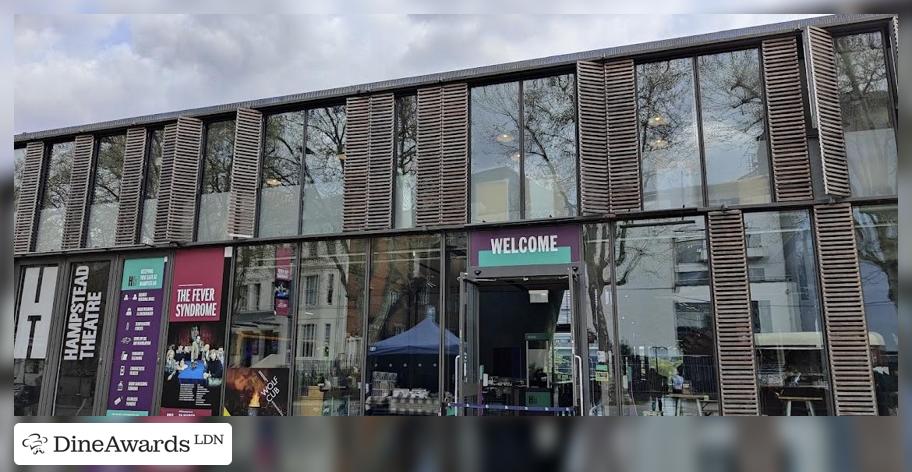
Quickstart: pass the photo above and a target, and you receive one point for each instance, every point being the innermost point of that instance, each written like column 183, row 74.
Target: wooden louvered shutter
column 454, row 165
column 843, row 307
column 131, row 188
column 827, row 111
column 164, row 186
column 732, row 308
column 245, row 172
column 593, row 137
column 357, row 155
column 380, row 162
column 443, row 131
column 787, row 127
column 184, row 179
column 74, row 221
column 29, row 198
column 623, row 141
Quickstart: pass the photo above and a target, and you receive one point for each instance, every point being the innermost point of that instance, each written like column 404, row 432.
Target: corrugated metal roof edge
column 471, row 73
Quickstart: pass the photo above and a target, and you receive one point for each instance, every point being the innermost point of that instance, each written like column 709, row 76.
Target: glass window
column 259, row 349
column 406, row 163
column 324, row 161
column 455, row 261
column 403, row 327
column 867, row 109
column 85, row 312
column 876, row 229
column 596, row 308
column 496, row 158
column 216, row 182
column 549, row 141
column 106, row 191
column 56, row 191
column 666, row 334
column 668, row 135
column 18, row 169
column 33, row 322
column 151, row 186
column 787, row 314
column 280, row 187
column 734, row 131
column 328, row 372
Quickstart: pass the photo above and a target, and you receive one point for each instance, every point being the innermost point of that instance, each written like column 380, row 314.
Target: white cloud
column 76, row 69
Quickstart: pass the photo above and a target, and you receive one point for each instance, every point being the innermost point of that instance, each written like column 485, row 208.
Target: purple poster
column 136, row 346
column 524, row 246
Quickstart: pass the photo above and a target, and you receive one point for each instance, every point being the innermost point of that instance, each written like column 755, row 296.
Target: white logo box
column 122, row 443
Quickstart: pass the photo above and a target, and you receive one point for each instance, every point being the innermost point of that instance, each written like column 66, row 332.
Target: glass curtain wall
column 259, row 347
column 406, row 172
column 280, row 184
column 106, row 191
column 788, row 327
column 18, row 169
column 867, row 114
column 215, row 187
column 877, row 233
column 665, row 318
column 324, row 163
column 597, row 310
column 734, row 128
column 151, row 186
column 404, row 327
column 55, row 192
column 530, row 175
column 330, row 326
column 456, row 263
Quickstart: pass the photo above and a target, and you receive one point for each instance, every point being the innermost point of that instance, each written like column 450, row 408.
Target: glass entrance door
column 518, row 347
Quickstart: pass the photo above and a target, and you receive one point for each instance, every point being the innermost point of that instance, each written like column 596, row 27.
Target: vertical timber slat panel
column 454, row 154
column 164, row 186
column 29, row 198
column 623, row 142
column 357, row 154
column 732, row 309
column 74, row 221
column 843, row 307
column 828, row 111
column 131, row 188
column 430, row 135
column 245, row 172
column 592, row 117
column 188, row 143
column 787, row 126
column 380, row 162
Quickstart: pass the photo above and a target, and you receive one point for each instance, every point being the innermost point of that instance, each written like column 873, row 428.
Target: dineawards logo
column 122, row 444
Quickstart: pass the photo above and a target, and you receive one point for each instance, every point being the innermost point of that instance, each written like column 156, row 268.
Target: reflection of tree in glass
column 731, row 102
column 666, row 115
column 219, row 151
column 495, row 115
column 325, row 149
column 284, row 149
column 862, row 80
column 153, row 167
column 18, row 168
column 109, row 169
column 876, row 228
column 550, row 134
column 57, row 184
column 406, row 135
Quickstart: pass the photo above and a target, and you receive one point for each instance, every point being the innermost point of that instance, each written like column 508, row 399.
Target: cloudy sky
column 78, row 69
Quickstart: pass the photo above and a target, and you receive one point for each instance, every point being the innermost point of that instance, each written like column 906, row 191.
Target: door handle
column 579, row 372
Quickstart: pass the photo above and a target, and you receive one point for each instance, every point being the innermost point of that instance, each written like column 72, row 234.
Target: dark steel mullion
column 365, row 320
column 228, row 309
column 201, row 161
column 144, row 172
column 295, row 285
column 106, row 342
column 164, row 325
column 302, row 173
column 698, row 112
column 441, row 321
column 615, row 316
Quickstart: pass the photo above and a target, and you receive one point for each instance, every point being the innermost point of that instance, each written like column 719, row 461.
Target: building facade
column 697, row 226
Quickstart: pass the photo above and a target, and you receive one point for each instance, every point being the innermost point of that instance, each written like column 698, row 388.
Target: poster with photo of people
column 256, row 392
column 194, row 357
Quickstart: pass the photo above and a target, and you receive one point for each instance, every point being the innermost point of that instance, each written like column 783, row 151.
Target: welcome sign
column 524, row 246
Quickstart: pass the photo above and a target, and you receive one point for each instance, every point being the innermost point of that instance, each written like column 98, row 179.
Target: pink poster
column 196, row 293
